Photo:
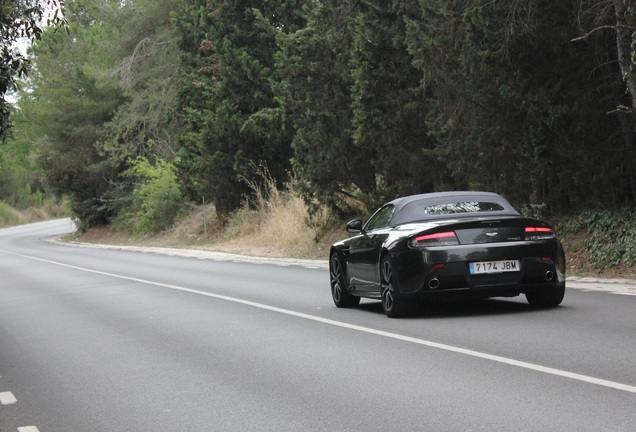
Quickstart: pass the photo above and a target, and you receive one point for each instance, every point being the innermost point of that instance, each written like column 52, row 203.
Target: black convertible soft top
column 415, row 208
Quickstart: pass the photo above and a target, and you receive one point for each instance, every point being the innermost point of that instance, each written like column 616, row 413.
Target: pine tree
column 69, row 105
column 389, row 103
column 316, row 90
column 517, row 107
column 232, row 117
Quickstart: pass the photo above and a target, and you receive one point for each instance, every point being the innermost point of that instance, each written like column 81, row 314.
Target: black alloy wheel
column 392, row 302
column 341, row 297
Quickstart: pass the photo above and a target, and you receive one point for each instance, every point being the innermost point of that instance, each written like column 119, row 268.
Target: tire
column 393, row 303
column 547, row 298
column 339, row 293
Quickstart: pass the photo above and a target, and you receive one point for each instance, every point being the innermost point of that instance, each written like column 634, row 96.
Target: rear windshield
column 460, row 207
column 425, row 209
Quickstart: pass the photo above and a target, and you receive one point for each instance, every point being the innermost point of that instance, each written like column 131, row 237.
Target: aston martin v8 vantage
column 446, row 245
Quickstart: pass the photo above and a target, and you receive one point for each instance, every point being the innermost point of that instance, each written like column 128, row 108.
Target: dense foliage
column 358, row 101
column 606, row 239
column 20, row 20
column 156, row 199
column 228, row 77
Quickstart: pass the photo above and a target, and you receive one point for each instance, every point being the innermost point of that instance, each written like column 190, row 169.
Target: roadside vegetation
column 280, row 223
column 284, row 118
column 272, row 222
column 50, row 209
column 600, row 242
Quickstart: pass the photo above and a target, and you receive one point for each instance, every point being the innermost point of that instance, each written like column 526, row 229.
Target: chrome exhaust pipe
column 433, row 283
column 549, row 276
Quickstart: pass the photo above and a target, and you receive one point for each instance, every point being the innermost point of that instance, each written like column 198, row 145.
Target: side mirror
column 354, row 226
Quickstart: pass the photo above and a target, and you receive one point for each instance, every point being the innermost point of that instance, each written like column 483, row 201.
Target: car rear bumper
column 433, row 273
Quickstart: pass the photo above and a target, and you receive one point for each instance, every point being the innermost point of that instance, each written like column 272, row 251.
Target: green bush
column 156, row 199
column 610, row 236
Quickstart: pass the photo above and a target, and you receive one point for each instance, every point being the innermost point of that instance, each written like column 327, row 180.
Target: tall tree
column 146, row 123
column 389, row 104
column 232, row 116
column 101, row 96
column 518, row 107
column 69, row 105
column 19, row 20
column 357, row 104
column 316, row 92
column 608, row 27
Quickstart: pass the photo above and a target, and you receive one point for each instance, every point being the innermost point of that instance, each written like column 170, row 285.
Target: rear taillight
column 539, row 233
column 436, row 239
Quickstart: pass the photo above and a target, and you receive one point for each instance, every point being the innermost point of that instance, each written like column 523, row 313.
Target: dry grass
column 273, row 223
column 9, row 216
column 280, row 230
column 270, row 223
column 282, row 227
column 50, row 209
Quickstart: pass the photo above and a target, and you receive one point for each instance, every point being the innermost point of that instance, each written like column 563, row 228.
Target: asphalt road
column 109, row 340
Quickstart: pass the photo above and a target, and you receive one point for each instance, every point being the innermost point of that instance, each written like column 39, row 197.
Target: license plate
column 486, row 267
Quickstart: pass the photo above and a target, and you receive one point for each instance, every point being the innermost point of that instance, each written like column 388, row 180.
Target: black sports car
column 447, row 244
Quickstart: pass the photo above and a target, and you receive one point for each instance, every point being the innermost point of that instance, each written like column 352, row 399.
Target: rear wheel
column 341, row 297
column 547, row 298
column 392, row 301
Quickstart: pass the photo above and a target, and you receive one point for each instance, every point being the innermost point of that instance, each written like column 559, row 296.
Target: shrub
column 609, row 236
column 612, row 240
column 274, row 221
column 156, row 199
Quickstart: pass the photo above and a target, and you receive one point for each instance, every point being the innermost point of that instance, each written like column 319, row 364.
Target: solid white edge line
column 495, row 358
column 7, row 398
column 28, row 429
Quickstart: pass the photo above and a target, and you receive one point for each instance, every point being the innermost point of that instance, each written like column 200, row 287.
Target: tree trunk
column 624, row 36
column 623, row 43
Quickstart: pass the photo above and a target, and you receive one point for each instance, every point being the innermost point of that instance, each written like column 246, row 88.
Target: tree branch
column 605, row 27
column 621, row 109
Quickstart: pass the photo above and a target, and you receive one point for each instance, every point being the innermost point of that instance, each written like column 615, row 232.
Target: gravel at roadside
column 616, row 286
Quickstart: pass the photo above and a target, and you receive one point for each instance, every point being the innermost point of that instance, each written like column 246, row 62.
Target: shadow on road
column 461, row 308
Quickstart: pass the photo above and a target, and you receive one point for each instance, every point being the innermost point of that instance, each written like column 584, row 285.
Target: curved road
column 108, row 340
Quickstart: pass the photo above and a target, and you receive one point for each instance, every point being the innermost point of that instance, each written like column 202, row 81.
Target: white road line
column 28, row 429
column 7, row 398
column 495, row 358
